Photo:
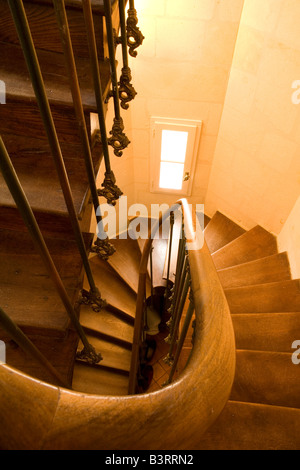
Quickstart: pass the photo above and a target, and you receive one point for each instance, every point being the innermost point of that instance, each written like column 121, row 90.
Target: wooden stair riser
column 269, row 378
column 25, row 119
column 249, row 426
column 60, row 352
column 99, row 381
column 114, row 290
column 28, row 294
column 107, row 325
column 270, row 269
column 252, row 245
column 126, row 262
column 21, row 145
column 220, row 231
column 265, row 298
column 51, row 225
column 41, row 18
column 266, row 331
column 115, row 357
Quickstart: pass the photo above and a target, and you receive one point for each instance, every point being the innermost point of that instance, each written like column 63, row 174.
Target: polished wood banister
column 37, row 415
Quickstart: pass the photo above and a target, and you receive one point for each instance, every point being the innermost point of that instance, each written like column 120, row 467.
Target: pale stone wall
column 256, row 170
column 289, row 239
column 181, row 71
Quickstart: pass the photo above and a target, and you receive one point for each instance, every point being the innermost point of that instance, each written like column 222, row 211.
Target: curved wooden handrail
column 35, row 415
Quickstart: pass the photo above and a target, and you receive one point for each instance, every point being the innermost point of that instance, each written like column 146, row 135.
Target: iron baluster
column 118, row 140
column 180, row 301
column 151, row 276
column 26, row 212
column 166, row 294
column 126, row 91
column 60, row 10
column 134, row 36
column 110, row 190
column 21, row 23
column 182, row 337
column 178, row 276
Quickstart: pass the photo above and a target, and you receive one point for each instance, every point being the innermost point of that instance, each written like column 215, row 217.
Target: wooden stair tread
column 60, row 352
column 41, row 184
column 265, row 298
column 99, row 381
column 28, row 294
column 113, row 289
column 269, row 269
column 18, row 84
column 97, row 5
column 220, row 231
column 254, row 244
column 266, row 377
column 249, row 426
column 126, row 261
column 159, row 247
column 266, row 331
column 107, row 324
column 114, row 356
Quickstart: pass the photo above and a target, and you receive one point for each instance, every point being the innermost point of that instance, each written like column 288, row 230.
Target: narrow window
column 174, row 148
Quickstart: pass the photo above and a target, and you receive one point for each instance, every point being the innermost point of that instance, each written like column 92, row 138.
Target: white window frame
column 157, row 125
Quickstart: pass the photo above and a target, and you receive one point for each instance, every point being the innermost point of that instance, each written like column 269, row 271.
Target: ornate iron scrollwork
column 93, row 299
column 169, row 359
column 110, row 190
column 89, row 355
column 103, row 248
column 134, row 36
column 126, row 90
column 119, row 141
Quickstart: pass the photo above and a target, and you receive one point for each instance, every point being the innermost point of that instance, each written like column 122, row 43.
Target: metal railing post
column 172, row 220
column 26, row 212
column 110, row 190
column 126, row 90
column 60, row 10
column 180, row 301
column 23, row 30
column 134, row 36
column 118, row 140
column 182, row 337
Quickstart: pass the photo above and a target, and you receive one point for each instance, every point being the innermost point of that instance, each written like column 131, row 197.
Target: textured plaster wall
column 289, row 239
column 256, row 170
column 181, row 71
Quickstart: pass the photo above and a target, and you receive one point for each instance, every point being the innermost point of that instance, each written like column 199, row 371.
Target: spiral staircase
column 263, row 411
